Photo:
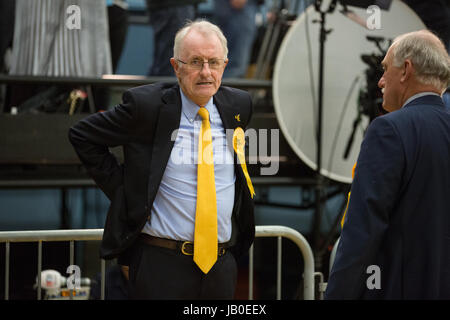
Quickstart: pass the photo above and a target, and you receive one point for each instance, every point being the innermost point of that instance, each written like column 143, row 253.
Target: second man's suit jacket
column 395, row 242
column 143, row 124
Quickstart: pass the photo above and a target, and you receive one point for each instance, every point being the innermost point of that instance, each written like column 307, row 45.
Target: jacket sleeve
column 375, row 188
column 92, row 137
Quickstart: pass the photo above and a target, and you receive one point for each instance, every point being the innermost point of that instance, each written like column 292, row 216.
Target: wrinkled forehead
column 202, row 44
column 389, row 56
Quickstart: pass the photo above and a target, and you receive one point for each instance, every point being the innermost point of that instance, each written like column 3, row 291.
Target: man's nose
column 205, row 68
column 381, row 83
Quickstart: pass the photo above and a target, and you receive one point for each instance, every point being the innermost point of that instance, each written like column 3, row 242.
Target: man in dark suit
column 158, row 193
column 395, row 242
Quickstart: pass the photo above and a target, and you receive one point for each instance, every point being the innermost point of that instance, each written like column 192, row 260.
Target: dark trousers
column 160, row 273
column 165, row 23
column 118, row 28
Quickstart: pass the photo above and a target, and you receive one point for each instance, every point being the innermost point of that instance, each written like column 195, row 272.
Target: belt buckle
column 221, row 251
column 183, row 248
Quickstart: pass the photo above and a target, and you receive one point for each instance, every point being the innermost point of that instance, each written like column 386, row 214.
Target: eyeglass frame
column 203, row 63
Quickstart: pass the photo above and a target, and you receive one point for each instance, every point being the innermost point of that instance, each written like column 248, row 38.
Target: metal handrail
column 51, row 235
column 40, row 236
column 305, row 248
column 333, row 253
column 126, row 80
column 96, row 234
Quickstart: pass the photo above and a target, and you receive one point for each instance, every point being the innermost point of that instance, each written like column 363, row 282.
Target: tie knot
column 203, row 113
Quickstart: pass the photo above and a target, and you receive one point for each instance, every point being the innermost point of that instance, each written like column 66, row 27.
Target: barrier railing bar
column 103, row 272
column 71, row 262
column 300, row 241
column 51, row 235
column 71, row 255
column 279, row 268
column 96, row 234
column 321, row 283
column 333, row 253
column 7, row 250
column 39, row 270
column 250, row 273
column 127, row 81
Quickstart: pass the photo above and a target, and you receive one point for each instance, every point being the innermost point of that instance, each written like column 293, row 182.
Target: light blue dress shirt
column 173, row 212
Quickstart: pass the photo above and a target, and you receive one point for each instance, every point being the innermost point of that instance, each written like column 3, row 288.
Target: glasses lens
column 212, row 63
column 196, row 63
column 215, row 63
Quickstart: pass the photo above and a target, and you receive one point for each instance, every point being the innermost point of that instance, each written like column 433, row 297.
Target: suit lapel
column 228, row 111
column 168, row 121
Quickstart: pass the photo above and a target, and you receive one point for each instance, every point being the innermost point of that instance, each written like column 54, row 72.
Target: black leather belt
column 185, row 247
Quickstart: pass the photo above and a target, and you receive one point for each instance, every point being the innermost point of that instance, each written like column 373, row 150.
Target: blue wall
column 137, row 55
column 40, row 209
column 36, row 209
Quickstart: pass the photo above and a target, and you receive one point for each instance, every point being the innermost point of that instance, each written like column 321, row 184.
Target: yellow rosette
column 239, row 148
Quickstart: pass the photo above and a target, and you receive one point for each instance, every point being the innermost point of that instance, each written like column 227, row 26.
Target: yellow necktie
column 205, row 234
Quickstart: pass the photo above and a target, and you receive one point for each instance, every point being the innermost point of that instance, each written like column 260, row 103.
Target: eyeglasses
column 197, row 63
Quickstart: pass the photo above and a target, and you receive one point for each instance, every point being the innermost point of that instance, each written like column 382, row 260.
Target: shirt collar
column 418, row 95
column 190, row 109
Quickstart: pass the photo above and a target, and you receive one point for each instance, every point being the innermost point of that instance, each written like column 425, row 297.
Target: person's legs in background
column 238, row 26
column 118, row 28
column 165, row 23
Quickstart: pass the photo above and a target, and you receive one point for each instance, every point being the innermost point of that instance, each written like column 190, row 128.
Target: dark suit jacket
column 143, row 125
column 399, row 211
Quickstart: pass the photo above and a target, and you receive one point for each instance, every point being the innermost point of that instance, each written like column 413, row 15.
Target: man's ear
column 408, row 70
column 174, row 64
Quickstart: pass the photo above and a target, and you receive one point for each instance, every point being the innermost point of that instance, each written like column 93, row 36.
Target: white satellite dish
column 294, row 82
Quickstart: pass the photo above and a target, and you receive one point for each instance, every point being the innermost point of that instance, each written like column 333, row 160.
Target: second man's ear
column 407, row 70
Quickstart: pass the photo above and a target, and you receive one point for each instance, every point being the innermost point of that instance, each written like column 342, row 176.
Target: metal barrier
column 40, row 236
column 333, row 253
column 300, row 241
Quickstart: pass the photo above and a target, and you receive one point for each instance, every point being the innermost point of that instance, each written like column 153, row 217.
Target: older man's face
column 199, row 85
column 390, row 83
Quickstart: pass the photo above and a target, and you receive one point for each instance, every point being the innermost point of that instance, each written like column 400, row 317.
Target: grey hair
column 428, row 56
column 204, row 27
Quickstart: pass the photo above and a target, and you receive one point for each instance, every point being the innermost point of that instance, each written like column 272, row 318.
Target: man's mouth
column 204, row 83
